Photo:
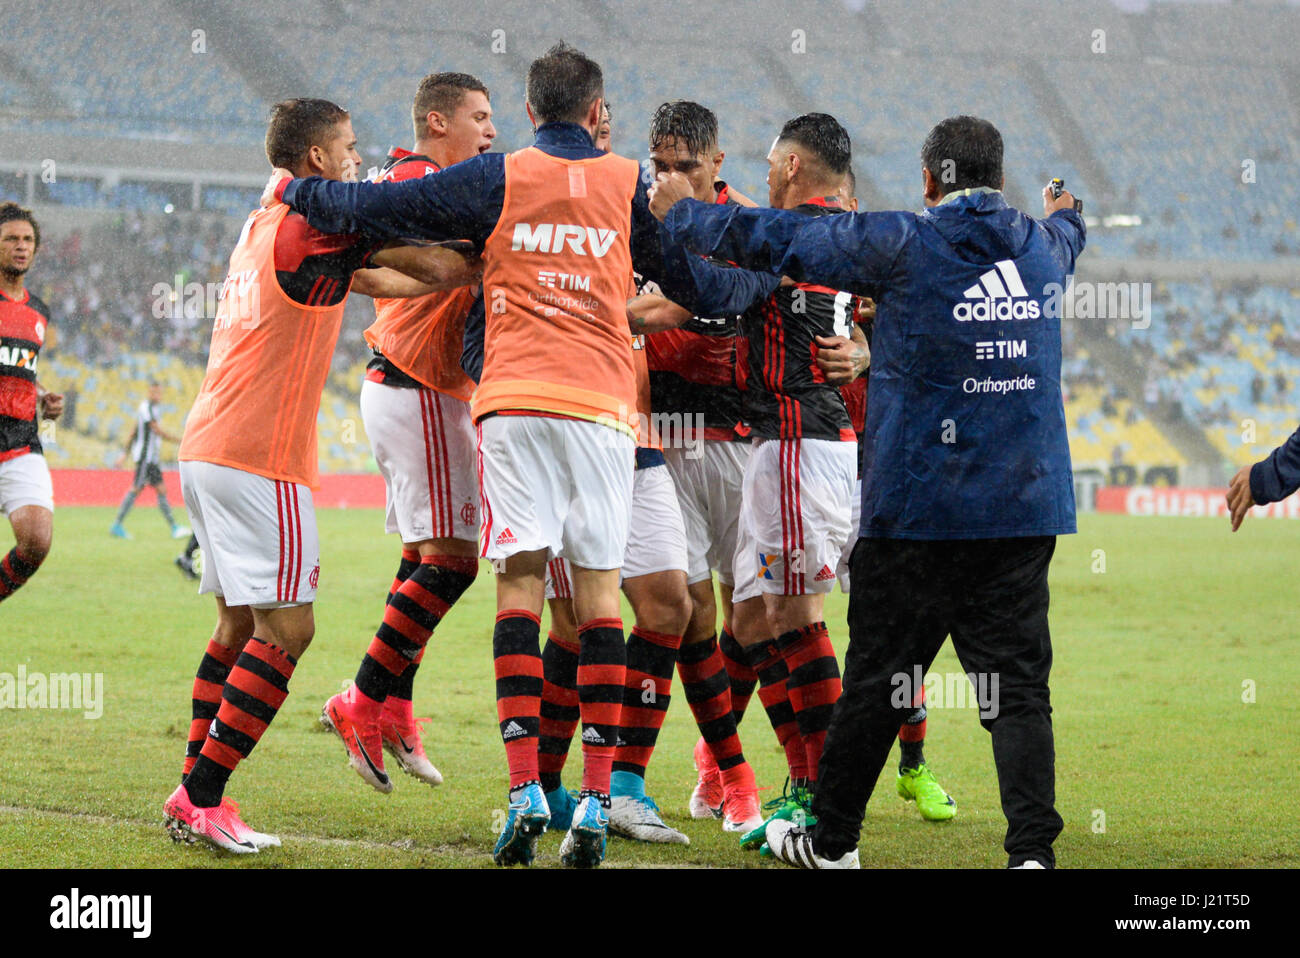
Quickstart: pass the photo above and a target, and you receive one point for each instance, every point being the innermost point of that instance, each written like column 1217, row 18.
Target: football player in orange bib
column 248, row 457
column 654, row 579
column 415, row 407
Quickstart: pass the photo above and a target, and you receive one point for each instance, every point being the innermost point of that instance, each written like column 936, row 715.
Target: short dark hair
column 9, row 212
column 562, row 83
column 687, row 122
column 822, row 134
column 963, row 152
column 443, row 93
column 298, row 125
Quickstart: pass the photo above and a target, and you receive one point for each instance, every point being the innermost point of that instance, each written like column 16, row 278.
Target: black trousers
column 906, row 598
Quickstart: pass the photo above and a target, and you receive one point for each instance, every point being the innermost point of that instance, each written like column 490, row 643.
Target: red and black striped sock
column 209, row 681
column 742, row 676
column 769, row 665
column 602, row 669
column 410, row 562
column 708, row 692
column 403, row 688
column 14, row 572
column 254, row 691
column 517, row 662
column 411, row 615
column 911, row 734
column 813, row 685
column 560, row 714
column 650, row 660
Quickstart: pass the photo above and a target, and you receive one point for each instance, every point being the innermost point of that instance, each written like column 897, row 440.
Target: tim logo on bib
column 555, row 237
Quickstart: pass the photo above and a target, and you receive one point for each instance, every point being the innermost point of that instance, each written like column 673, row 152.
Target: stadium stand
column 1216, row 82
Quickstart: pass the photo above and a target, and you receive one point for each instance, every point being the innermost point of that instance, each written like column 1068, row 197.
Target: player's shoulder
column 296, row 238
column 405, row 165
column 38, row 304
column 32, row 302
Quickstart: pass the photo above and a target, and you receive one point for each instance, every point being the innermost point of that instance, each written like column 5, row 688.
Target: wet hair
column 298, row 125
column 443, row 93
column 963, row 152
column 688, row 123
column 562, row 83
column 822, row 135
column 10, row 212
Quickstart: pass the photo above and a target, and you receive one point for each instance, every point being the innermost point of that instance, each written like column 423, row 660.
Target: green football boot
column 919, row 785
column 793, row 804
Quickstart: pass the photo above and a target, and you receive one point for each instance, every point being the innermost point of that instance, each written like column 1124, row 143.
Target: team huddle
column 560, row 388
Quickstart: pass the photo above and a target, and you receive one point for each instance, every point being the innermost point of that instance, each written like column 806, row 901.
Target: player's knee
column 702, row 621
column 34, row 546
column 669, row 614
column 234, row 628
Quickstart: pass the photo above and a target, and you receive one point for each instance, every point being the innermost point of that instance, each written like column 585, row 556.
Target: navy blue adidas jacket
column 965, row 435
column 1276, row 477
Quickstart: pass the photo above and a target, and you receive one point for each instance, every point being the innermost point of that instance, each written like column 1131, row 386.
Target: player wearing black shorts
column 145, row 449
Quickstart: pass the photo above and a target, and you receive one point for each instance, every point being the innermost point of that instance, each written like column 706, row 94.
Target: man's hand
column 51, row 405
column 668, row 189
column 1052, row 204
column 866, row 309
column 278, row 175
column 842, row 360
column 1239, row 498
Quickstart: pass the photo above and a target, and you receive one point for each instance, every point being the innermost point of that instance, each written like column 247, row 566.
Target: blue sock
column 627, row 784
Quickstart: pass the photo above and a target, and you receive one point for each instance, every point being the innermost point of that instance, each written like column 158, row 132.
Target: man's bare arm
column 650, row 313
column 416, row 270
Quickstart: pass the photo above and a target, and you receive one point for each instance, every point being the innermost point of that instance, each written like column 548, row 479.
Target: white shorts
column 708, row 489
column 424, row 445
column 25, row 481
column 258, row 536
column 794, row 516
column 563, row 485
column 559, row 583
column 855, row 521
column 656, row 540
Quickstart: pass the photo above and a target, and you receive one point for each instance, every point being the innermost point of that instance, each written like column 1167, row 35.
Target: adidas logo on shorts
column 592, row 737
column 507, row 538
column 512, row 730
column 825, row 574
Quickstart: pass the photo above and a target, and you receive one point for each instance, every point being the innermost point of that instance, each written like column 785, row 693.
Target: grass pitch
column 1175, row 693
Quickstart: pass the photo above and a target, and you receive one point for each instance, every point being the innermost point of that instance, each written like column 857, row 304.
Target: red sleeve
column 296, row 241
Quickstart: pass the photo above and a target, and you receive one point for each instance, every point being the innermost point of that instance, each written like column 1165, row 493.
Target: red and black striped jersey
column 399, row 165
column 23, row 327
column 315, row 268
column 694, row 369
column 786, row 394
